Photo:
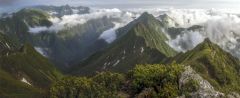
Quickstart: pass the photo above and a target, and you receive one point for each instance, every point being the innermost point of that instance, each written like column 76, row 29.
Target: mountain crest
column 143, row 43
column 207, row 41
column 207, row 44
column 216, row 65
column 146, row 17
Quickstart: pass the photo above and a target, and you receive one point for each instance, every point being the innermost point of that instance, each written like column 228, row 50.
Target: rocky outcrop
column 205, row 90
column 233, row 95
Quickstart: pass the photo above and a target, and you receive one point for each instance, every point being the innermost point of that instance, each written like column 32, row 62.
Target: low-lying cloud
column 110, row 35
column 38, row 29
column 220, row 26
column 187, row 41
column 78, row 19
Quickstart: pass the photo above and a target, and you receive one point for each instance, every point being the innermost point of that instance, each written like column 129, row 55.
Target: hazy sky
column 6, row 5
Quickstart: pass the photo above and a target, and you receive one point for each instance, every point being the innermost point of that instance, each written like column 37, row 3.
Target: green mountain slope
column 220, row 68
column 12, row 88
column 23, row 71
column 143, row 43
column 17, row 26
column 77, row 42
column 28, row 63
column 63, row 47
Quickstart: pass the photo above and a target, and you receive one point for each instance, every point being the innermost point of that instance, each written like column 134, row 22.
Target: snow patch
column 124, row 52
column 115, row 64
column 142, row 49
column 8, row 46
column 105, row 65
column 25, row 81
column 41, row 51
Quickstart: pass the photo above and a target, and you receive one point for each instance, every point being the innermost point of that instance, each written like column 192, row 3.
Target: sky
column 10, row 5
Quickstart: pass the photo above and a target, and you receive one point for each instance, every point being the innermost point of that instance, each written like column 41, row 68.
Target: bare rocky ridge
column 206, row 90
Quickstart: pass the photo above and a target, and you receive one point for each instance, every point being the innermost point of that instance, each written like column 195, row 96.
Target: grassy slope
column 143, row 43
column 220, row 68
column 17, row 25
column 12, row 88
column 73, row 43
column 17, row 63
column 28, row 63
column 63, row 47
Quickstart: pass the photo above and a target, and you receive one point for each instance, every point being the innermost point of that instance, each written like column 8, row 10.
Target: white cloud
column 110, row 35
column 187, row 41
column 37, row 29
column 220, row 26
column 75, row 19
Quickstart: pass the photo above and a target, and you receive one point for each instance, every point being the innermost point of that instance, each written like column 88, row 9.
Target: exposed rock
column 233, row 95
column 146, row 93
column 206, row 90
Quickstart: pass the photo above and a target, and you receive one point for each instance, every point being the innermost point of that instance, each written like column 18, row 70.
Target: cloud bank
column 116, row 16
column 186, row 41
column 110, row 35
column 76, row 19
column 220, row 26
column 37, row 29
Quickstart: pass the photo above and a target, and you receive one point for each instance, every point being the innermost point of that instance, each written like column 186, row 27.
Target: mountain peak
column 207, row 40
column 145, row 17
column 145, row 14
column 150, row 29
column 142, row 43
column 208, row 44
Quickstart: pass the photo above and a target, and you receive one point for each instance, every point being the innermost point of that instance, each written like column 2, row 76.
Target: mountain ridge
column 25, row 70
column 219, row 67
column 143, row 43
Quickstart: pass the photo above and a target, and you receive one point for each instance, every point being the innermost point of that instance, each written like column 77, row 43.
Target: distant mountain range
column 62, row 47
column 60, row 11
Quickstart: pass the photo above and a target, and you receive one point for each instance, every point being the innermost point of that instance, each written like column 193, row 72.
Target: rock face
column 233, row 95
column 206, row 90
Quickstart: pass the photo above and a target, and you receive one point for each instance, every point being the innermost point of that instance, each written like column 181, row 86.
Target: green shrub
column 103, row 85
column 163, row 78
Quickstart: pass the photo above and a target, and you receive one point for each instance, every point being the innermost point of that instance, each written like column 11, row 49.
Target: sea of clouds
column 77, row 19
column 221, row 26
